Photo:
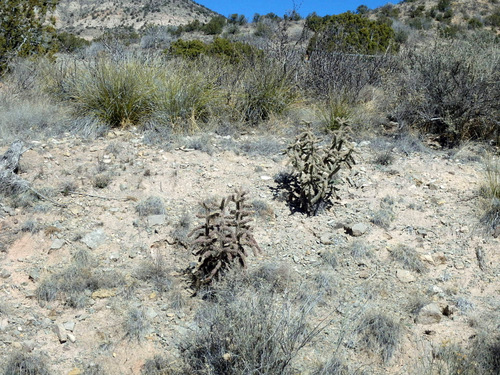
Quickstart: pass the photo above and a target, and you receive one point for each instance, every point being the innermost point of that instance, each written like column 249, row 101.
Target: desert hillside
column 280, row 197
column 90, row 17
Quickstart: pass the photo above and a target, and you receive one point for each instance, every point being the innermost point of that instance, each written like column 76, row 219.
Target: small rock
column 326, row 239
column 405, row 276
column 4, row 323
column 435, row 290
column 153, row 220
column 4, row 274
column 496, row 232
column 357, row 230
column 61, row 333
column 266, row 178
column 103, row 293
column 28, row 345
column 69, row 326
column 71, row 337
column 75, row 371
column 57, row 244
column 429, row 314
column 459, row 265
column 151, row 313
column 95, row 239
column 427, row 258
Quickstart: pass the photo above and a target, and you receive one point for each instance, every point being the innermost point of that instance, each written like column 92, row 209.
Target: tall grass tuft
column 116, row 91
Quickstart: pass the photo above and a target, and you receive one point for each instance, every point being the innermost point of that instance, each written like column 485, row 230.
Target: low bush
column 250, row 331
column 449, row 89
column 25, row 364
column 380, row 334
column 116, row 91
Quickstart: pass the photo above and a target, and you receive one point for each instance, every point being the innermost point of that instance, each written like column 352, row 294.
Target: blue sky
column 280, row 7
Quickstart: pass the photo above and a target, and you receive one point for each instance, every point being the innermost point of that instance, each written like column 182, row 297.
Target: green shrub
column 214, row 26
column 69, row 43
column 234, row 52
column 188, row 49
column 351, row 33
column 25, row 29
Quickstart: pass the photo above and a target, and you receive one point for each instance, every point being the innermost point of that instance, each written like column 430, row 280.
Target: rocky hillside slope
column 91, row 17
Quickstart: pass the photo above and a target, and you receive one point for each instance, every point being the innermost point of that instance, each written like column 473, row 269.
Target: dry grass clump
column 25, row 364
column 482, row 357
column 136, row 324
column 408, row 258
column 151, row 206
column 156, row 366
column 74, row 284
column 380, row 334
column 248, row 331
column 154, row 270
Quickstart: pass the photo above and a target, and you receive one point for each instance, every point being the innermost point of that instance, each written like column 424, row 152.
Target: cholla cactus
column 314, row 168
column 223, row 238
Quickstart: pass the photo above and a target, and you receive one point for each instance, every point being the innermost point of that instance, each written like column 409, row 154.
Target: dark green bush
column 68, row 42
column 25, row 29
column 234, row 52
column 351, row 33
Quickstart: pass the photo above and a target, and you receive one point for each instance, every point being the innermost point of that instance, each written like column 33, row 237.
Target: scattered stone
column 459, row 265
column 154, row 220
column 57, row 244
column 95, row 239
column 4, row 323
column 28, row 346
column 69, row 326
column 103, row 293
column 356, row 230
column 151, row 313
column 496, row 232
column 61, row 333
column 436, row 290
column 429, row 314
column 427, row 258
column 4, row 274
column 71, row 337
column 405, row 276
column 75, row 371
column 326, row 239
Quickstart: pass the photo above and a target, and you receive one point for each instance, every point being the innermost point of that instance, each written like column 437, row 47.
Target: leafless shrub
column 380, row 334
column 449, row 89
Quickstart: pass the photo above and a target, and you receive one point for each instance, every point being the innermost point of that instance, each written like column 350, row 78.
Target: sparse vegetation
column 123, row 134
column 223, row 239
column 408, row 258
column 310, row 186
column 151, row 206
column 25, row 364
column 380, row 334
